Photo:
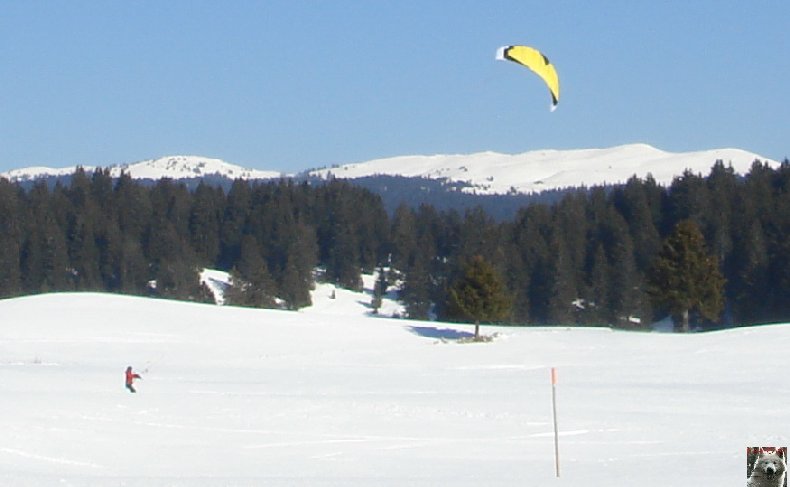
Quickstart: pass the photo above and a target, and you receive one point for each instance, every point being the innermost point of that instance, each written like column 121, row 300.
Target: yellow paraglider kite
column 538, row 63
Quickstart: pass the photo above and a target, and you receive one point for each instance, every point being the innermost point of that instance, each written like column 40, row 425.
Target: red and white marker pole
column 554, row 409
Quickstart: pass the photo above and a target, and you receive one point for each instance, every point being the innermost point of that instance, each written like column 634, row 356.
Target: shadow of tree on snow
column 440, row 333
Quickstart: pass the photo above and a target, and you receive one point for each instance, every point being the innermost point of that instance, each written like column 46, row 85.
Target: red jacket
column 130, row 376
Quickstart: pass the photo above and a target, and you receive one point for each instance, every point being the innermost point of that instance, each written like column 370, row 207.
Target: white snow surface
column 334, row 397
column 540, row 170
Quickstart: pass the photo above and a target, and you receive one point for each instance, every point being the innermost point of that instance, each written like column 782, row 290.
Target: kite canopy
column 538, row 63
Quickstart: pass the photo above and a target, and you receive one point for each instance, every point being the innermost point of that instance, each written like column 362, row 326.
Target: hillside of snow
column 174, row 167
column 180, row 167
column 334, row 397
column 540, row 170
column 484, row 173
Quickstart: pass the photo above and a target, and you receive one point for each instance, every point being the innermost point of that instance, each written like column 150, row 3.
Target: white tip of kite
column 500, row 53
column 553, row 107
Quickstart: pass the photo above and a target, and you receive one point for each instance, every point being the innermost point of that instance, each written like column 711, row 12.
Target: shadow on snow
column 440, row 333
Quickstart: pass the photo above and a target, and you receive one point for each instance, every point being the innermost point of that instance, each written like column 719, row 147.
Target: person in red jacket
column 130, row 377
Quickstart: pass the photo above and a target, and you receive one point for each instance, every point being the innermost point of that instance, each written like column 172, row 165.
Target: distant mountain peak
column 182, row 167
column 174, row 167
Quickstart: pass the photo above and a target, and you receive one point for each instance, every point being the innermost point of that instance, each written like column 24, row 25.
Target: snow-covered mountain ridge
column 540, row 170
column 175, row 167
column 482, row 173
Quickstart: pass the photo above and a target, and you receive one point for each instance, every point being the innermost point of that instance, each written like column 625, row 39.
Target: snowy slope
column 243, row 397
column 535, row 171
column 326, row 298
column 175, row 167
column 179, row 167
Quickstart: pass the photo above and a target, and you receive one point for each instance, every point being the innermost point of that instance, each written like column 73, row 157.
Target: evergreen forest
column 593, row 257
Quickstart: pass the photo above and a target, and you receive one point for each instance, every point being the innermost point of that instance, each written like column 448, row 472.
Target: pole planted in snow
column 554, row 410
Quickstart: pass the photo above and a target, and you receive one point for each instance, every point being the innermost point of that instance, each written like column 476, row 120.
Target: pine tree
column 44, row 257
column 748, row 277
column 688, row 198
column 479, row 295
column 134, row 208
column 627, row 303
column 126, row 263
column 204, row 223
column 251, row 283
column 478, row 235
column 639, row 204
column 10, row 238
column 237, row 209
column 343, row 267
column 416, row 291
column 722, row 183
column 302, row 256
column 532, row 234
column 133, row 268
column 372, row 229
column 560, row 283
column 594, row 308
column 403, row 238
column 82, row 218
column 379, row 290
column 684, row 278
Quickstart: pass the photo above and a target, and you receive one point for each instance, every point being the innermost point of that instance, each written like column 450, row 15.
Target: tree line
column 100, row 234
column 593, row 257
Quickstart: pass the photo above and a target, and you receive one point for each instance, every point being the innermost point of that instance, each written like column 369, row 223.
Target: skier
column 130, row 377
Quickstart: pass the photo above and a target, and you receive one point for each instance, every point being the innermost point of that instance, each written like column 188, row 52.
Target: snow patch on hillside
column 217, row 282
column 332, row 300
column 326, row 297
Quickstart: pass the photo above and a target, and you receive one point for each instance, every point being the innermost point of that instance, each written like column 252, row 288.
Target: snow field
column 246, row 397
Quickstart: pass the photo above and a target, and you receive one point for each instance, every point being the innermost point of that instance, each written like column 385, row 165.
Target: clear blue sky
column 290, row 85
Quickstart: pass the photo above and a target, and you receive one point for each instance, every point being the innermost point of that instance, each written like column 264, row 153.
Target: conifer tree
column 416, row 291
column 479, row 295
column 403, row 237
column 532, row 238
column 684, row 278
column 10, row 236
column 594, row 308
column 204, row 223
column 560, row 282
column 44, row 258
column 379, row 290
column 688, row 198
column 82, row 218
column 639, row 204
column 252, row 285
column 302, row 257
column 237, row 208
column 133, row 268
column 749, row 269
column 721, row 184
